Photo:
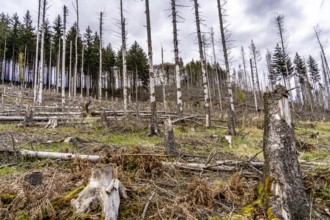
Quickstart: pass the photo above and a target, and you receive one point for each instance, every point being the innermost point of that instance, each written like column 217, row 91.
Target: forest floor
column 155, row 190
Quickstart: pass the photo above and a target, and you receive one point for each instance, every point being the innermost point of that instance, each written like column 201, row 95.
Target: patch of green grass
column 7, row 170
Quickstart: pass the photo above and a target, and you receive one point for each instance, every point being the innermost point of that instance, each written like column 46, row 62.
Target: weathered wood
column 286, row 196
column 103, row 189
column 56, row 155
column 170, row 147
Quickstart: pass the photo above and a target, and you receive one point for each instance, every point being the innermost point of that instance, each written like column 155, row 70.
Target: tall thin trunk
column 82, row 71
column 253, row 87
column 37, row 56
column 63, row 53
column 70, row 70
column 50, row 67
column 322, row 50
column 231, row 110
column 203, row 64
column 4, row 62
column 163, row 83
column 124, row 54
column 24, row 65
column 216, row 69
column 42, row 56
column 326, row 83
column 153, row 128
column 75, row 73
column 177, row 61
column 58, row 66
column 100, row 63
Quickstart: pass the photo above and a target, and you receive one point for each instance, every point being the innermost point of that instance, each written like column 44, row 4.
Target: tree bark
column 170, row 147
column 100, row 56
column 177, row 61
column 153, row 127
column 203, row 64
column 75, row 71
column 124, row 53
column 286, row 198
column 65, row 11
column 103, row 188
column 37, row 57
column 231, row 110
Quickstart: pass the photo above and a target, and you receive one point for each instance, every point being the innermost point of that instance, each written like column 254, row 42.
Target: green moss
column 65, row 201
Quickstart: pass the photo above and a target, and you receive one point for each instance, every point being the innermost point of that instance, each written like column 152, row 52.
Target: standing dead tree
column 42, row 56
column 256, row 56
column 65, row 13
column 124, row 53
column 253, row 87
column 99, row 85
column 177, row 59
column 224, row 40
column 203, row 65
column 153, row 127
column 36, row 61
column 75, row 71
column 286, row 198
column 217, row 74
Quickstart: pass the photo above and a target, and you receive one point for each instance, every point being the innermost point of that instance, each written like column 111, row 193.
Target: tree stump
column 170, row 147
column 103, row 189
column 286, row 198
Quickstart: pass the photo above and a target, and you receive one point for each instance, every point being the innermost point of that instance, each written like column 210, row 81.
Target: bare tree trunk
column 50, row 67
column 170, row 147
column 177, row 61
column 37, row 56
column 124, row 53
column 216, row 69
column 70, row 70
column 254, row 53
column 58, row 66
column 82, row 71
column 317, row 34
column 231, row 110
column 4, row 61
column 75, row 73
column 326, row 83
column 286, row 198
column 65, row 11
column 153, row 128
column 203, row 63
column 164, row 83
column 42, row 56
column 100, row 64
column 253, row 87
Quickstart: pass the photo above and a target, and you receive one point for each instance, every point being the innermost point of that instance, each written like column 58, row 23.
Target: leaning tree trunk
column 231, row 110
column 286, row 198
column 153, row 128
column 203, row 64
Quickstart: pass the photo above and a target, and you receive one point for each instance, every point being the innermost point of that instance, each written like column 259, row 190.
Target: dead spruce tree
column 256, row 56
column 42, row 55
column 36, row 61
column 65, row 13
column 203, row 65
column 253, row 87
column 58, row 63
column 99, row 85
column 75, row 70
column 177, row 59
column 153, row 127
column 286, row 198
column 224, row 40
column 279, row 21
column 124, row 53
column 217, row 74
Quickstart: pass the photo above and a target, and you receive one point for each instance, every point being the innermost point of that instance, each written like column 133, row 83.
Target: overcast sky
column 249, row 19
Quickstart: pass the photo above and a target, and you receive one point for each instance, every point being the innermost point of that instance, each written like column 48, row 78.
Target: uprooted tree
column 286, row 198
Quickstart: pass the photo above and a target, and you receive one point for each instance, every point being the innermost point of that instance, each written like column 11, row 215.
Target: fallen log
column 56, row 155
column 103, row 189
